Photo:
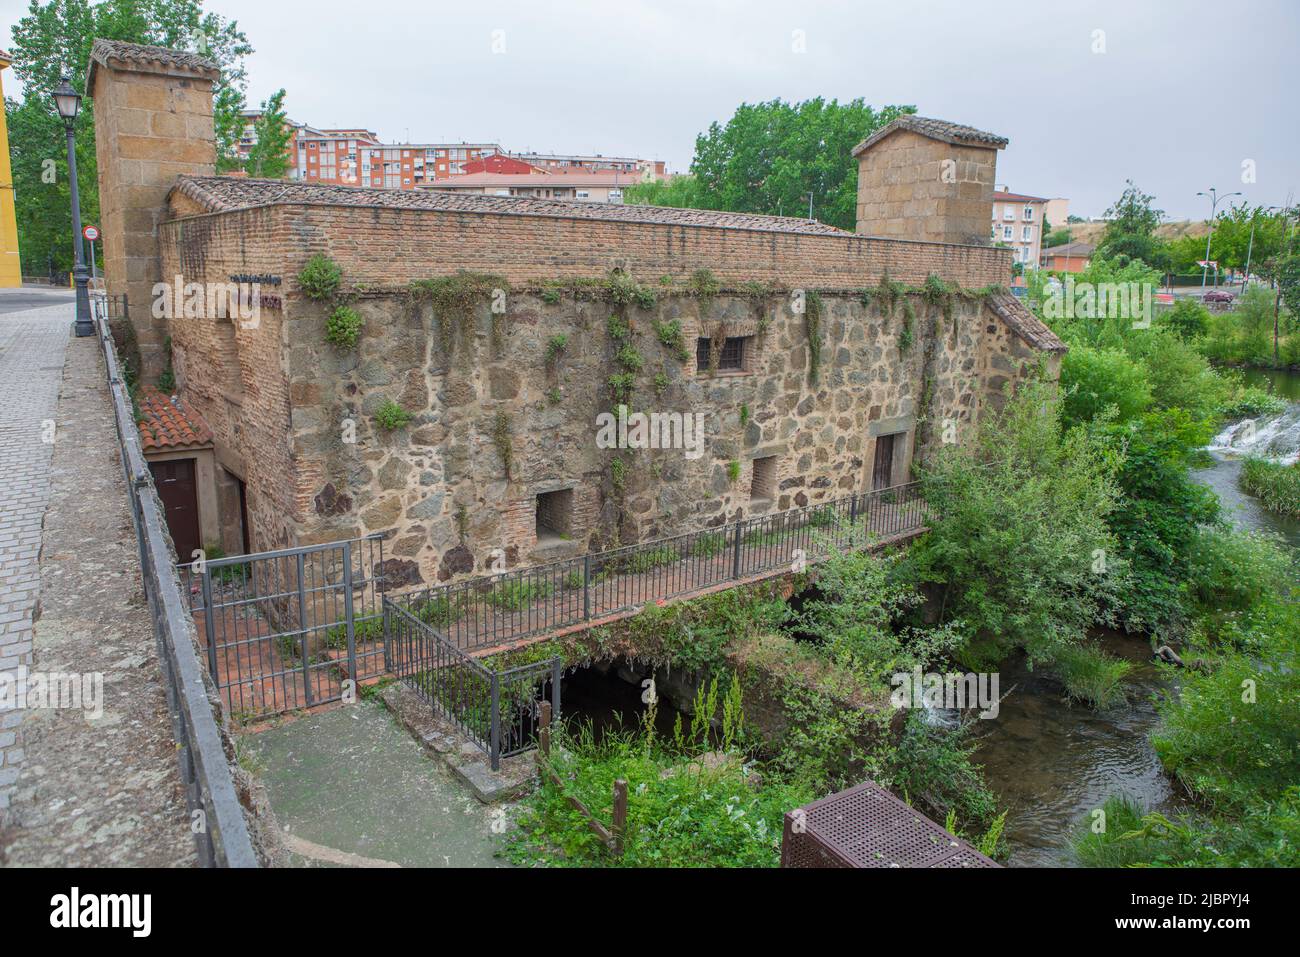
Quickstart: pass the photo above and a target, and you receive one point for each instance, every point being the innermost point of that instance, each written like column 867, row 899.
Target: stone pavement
column 32, row 342
column 94, row 787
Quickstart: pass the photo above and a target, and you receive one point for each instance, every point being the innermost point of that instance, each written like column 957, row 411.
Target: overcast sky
column 1184, row 92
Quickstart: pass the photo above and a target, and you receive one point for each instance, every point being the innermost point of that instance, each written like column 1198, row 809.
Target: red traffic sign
column 91, row 233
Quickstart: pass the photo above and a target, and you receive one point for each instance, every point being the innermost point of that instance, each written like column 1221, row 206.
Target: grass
column 706, row 546
column 1091, row 675
column 1276, row 486
column 1116, row 839
column 518, row 595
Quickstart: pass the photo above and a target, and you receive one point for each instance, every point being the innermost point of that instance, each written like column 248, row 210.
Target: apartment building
column 562, row 162
column 1018, row 223
column 577, row 185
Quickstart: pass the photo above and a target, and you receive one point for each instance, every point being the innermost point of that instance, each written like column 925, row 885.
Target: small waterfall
column 1276, row 439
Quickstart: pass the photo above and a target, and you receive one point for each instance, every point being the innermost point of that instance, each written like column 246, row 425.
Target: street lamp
column 68, row 102
column 1214, row 202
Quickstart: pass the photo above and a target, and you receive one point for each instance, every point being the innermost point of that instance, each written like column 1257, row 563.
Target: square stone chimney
column 927, row 179
column 153, row 122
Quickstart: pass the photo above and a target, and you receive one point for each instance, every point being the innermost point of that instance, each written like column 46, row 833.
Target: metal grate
column 866, row 826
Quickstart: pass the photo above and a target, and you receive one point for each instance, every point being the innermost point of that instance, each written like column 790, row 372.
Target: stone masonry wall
column 150, row 127
column 903, row 193
column 280, row 399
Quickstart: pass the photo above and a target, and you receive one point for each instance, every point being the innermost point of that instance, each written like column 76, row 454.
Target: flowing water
column 1051, row 762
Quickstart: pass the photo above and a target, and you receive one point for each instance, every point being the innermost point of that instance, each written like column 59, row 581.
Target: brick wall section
column 234, row 372
column 152, row 123
column 398, row 246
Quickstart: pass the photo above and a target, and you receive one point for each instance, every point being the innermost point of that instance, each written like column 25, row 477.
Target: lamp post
column 68, row 102
column 1214, row 202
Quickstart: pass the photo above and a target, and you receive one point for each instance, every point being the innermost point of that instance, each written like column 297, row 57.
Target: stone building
column 464, row 421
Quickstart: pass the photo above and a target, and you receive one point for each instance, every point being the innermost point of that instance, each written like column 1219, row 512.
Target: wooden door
column 179, row 494
column 882, row 472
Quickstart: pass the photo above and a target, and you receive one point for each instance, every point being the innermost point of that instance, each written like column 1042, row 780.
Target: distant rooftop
column 223, row 193
column 1002, row 196
column 942, row 130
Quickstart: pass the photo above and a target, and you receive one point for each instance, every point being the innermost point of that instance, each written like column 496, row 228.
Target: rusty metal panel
column 866, row 826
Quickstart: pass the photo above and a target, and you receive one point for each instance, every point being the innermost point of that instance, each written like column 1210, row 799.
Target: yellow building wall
column 11, row 273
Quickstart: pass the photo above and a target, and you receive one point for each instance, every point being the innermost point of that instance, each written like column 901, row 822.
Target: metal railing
column 286, row 629
column 499, row 609
column 496, row 709
column 224, row 840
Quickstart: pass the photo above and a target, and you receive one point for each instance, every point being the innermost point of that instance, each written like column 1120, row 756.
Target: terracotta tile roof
column 1001, row 196
column 164, row 59
column 1024, row 323
column 935, row 130
column 1070, row 249
column 221, row 193
column 168, row 423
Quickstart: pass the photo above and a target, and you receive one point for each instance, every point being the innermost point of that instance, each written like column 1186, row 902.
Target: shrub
column 343, row 327
column 1091, row 675
column 320, row 278
column 1020, row 519
column 390, row 416
column 554, row 346
column 1277, row 486
column 1095, row 379
column 671, row 338
column 1188, row 318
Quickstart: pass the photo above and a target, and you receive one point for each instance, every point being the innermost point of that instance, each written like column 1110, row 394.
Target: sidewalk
column 91, row 791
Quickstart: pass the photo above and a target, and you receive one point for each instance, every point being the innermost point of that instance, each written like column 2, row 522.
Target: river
column 1051, row 762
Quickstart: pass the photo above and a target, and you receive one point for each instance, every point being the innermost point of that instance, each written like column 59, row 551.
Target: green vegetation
column 270, row 155
column 320, row 278
column 390, row 416
column 343, row 327
column 501, row 439
column 1091, row 675
column 1277, row 486
column 671, row 338
column 454, row 299
column 733, row 471
column 516, row 595
column 759, row 161
column 555, row 346
column 814, row 310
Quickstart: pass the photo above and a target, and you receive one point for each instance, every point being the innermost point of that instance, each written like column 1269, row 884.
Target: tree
column 55, row 39
column 1131, row 228
column 268, row 157
column 770, row 156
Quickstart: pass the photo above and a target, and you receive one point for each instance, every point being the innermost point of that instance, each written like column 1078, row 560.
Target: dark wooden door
column 176, row 488
column 882, row 472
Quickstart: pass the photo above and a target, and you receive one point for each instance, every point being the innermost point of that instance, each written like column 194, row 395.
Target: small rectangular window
column 731, row 357
column 555, row 514
column 763, row 486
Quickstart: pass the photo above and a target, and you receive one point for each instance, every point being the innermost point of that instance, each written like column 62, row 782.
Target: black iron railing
column 224, row 840
column 498, row 609
column 496, row 709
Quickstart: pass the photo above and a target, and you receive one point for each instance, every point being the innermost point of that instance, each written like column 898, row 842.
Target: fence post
column 586, row 587
column 544, row 730
column 557, row 670
column 209, row 623
column 302, row 624
column 620, row 816
column 348, row 611
column 494, row 743
column 735, row 554
column 388, row 636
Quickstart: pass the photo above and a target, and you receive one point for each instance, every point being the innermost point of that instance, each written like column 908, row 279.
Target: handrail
column 222, row 837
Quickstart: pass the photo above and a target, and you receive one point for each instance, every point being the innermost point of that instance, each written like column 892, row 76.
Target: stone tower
column 153, row 122
column 926, row 179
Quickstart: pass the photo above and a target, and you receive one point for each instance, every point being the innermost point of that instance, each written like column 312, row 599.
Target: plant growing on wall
column 501, row 439
column 907, row 335
column 940, row 295
column 167, row 379
column 320, row 278
column 812, row 317
column 554, row 346
column 672, row 338
column 343, row 327
column 704, row 287
column 390, row 416
column 733, row 471
column 454, row 299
